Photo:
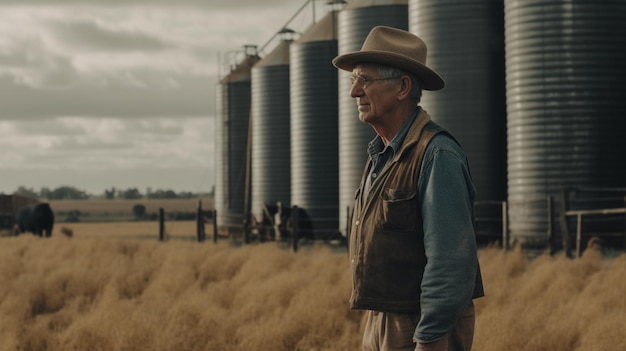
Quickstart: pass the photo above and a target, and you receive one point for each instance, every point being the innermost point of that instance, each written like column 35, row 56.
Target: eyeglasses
column 364, row 82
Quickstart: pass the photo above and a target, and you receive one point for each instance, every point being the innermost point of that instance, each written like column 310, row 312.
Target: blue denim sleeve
column 447, row 195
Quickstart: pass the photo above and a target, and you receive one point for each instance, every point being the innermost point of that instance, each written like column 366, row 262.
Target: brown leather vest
column 386, row 239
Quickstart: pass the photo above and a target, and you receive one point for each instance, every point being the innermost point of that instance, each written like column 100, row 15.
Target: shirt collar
column 377, row 147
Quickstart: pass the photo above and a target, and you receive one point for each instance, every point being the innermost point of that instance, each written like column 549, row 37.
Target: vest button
column 356, row 223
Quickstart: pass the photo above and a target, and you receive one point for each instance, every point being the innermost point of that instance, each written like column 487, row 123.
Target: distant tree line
column 69, row 192
column 134, row 193
column 63, row 192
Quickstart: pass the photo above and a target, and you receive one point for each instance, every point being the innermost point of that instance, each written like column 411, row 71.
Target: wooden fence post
column 294, row 233
column 550, row 233
column 567, row 245
column 200, row 222
column 579, row 233
column 505, row 226
column 161, row 224
column 215, row 226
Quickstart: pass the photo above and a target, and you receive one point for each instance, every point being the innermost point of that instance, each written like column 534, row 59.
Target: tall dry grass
column 552, row 303
column 99, row 293
column 124, row 294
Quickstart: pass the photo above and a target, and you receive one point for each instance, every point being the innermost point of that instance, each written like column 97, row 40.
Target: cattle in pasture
column 277, row 224
column 37, row 219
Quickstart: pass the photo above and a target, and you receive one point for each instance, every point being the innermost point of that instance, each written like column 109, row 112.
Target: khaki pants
column 394, row 331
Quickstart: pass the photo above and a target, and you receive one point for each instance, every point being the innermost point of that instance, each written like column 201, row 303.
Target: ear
column 404, row 88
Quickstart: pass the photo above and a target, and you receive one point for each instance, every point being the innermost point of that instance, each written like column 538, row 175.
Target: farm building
column 9, row 206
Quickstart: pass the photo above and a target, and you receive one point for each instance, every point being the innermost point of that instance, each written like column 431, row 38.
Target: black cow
column 37, row 219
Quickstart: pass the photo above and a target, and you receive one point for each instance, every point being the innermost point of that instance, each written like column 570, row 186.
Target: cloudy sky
column 103, row 93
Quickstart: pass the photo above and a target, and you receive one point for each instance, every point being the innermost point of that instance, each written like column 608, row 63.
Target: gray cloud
column 101, row 93
column 194, row 96
column 91, row 36
column 210, row 4
column 96, row 151
column 30, row 62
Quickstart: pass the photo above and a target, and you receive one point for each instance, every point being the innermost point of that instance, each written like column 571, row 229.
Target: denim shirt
column 381, row 153
column 447, row 196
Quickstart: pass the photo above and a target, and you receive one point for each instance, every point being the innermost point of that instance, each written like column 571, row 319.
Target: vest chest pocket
column 398, row 210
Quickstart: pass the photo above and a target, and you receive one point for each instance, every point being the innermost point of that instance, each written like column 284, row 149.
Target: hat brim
column 428, row 78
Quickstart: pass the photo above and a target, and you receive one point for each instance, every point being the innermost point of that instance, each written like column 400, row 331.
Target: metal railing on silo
column 231, row 133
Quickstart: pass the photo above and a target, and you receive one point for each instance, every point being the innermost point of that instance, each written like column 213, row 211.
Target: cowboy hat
column 393, row 47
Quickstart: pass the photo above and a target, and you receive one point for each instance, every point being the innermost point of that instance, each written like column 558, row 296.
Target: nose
column 356, row 90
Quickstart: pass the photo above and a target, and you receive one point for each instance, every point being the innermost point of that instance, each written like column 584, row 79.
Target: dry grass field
column 106, row 289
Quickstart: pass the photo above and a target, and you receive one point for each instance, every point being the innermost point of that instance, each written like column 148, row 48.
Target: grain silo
column 355, row 22
column 465, row 42
column 314, row 125
column 270, row 152
column 231, row 134
column 565, row 74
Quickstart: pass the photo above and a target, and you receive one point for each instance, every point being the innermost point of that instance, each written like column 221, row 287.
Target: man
column 412, row 246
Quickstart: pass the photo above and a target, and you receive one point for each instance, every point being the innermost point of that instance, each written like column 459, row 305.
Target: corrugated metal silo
column 565, row 74
column 465, row 42
column 231, row 133
column 271, row 174
column 314, row 125
column 355, row 22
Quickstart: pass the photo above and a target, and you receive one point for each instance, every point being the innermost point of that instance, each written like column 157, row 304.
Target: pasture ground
column 115, row 287
column 104, row 210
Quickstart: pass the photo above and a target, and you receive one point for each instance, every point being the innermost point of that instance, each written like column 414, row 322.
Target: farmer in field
column 412, row 246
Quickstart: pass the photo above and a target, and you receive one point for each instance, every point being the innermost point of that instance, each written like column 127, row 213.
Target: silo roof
column 325, row 29
column 278, row 56
column 241, row 73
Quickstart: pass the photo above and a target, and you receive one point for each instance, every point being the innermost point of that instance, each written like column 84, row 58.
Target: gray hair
column 390, row 72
